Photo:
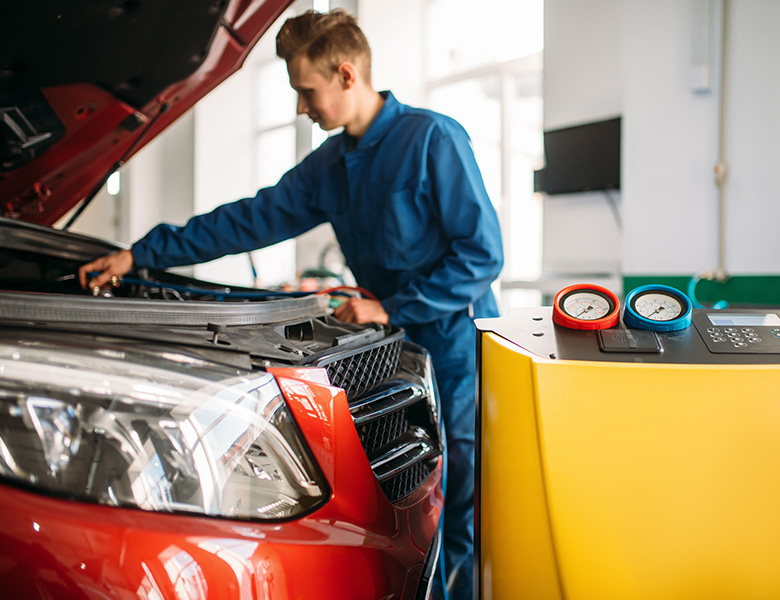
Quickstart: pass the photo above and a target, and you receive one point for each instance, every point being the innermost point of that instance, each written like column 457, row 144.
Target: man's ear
column 347, row 74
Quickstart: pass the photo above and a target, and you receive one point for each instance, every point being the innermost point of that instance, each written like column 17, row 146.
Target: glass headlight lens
column 124, row 435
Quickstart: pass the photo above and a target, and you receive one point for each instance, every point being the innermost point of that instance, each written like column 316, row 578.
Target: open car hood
column 85, row 85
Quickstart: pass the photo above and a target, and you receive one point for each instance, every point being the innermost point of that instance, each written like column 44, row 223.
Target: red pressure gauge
column 586, row 306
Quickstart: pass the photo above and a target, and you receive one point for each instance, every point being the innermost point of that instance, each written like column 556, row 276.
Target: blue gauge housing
column 632, row 318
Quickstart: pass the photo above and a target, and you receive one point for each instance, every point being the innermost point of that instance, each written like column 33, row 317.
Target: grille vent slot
column 398, row 432
column 360, row 371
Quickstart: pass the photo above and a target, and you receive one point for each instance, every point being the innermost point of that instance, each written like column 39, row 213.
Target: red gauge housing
column 565, row 319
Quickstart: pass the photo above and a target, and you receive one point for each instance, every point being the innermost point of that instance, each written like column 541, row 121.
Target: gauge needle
column 590, row 306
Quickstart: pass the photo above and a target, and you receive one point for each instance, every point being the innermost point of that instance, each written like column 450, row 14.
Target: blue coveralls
column 415, row 224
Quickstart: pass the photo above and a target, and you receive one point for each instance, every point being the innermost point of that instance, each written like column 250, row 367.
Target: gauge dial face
column 658, row 306
column 587, row 306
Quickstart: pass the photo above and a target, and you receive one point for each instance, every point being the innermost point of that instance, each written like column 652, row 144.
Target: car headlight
column 113, row 432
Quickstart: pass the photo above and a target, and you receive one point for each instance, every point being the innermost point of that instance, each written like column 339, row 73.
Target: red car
column 171, row 438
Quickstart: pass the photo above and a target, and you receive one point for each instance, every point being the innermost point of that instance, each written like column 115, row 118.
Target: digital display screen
column 743, row 320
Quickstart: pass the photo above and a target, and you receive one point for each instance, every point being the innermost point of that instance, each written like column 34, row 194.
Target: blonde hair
column 327, row 40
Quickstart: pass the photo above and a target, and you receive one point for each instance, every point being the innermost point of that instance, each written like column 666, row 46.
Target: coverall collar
column 379, row 126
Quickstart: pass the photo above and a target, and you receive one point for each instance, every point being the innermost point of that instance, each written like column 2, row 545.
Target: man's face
column 322, row 100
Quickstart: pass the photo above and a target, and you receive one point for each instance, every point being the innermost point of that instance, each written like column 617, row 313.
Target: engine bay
column 247, row 327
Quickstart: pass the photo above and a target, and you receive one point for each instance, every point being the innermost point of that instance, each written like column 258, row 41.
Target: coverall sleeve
column 275, row 214
column 470, row 225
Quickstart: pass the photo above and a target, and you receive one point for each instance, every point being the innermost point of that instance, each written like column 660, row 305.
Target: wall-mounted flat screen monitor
column 581, row 158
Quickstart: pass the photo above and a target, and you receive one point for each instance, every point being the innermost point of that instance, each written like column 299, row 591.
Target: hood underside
column 85, row 85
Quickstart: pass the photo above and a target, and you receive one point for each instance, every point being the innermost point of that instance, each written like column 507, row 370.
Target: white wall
column 753, row 243
column 583, row 61
column 633, row 57
column 395, row 32
column 671, row 145
column 157, row 185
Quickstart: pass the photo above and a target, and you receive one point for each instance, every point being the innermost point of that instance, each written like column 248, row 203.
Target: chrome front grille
column 391, row 393
column 397, row 426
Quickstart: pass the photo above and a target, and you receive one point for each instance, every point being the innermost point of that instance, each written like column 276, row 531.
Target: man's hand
column 106, row 267
column 359, row 310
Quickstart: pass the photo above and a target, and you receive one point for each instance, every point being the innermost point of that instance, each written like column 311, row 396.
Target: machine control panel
column 743, row 331
column 727, row 336
column 658, row 325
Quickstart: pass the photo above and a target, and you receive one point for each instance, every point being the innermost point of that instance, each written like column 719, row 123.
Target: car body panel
column 101, row 127
column 55, row 548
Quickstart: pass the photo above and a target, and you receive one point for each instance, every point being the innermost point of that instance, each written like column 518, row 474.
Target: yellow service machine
column 629, row 455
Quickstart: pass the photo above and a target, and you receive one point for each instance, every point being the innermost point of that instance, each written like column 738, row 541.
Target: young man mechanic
column 408, row 205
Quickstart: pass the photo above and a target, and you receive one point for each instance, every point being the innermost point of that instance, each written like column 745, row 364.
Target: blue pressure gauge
column 657, row 308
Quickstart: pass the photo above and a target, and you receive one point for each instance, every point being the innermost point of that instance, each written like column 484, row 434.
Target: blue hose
column 692, row 295
column 220, row 294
